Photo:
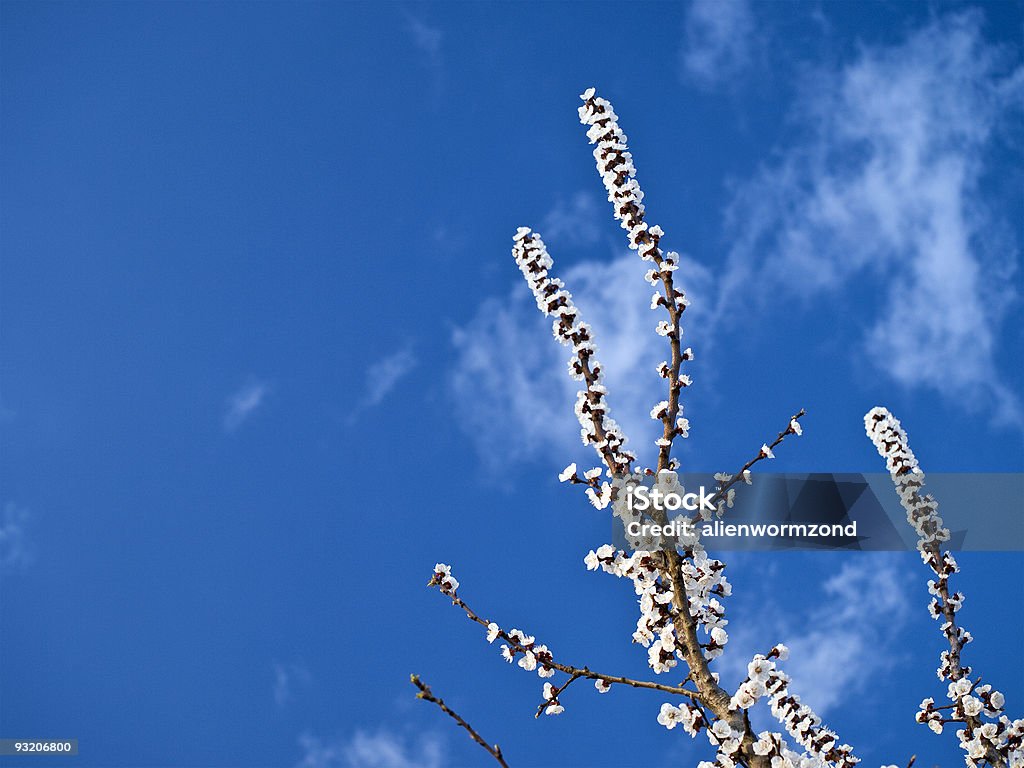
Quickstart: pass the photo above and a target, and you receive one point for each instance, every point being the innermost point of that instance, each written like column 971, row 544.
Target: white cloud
column 880, row 196
column 288, row 678
column 841, row 645
column 14, row 549
column 845, row 637
column 510, row 379
column 383, row 375
column 717, row 40
column 574, row 223
column 427, row 39
column 884, row 192
column 382, row 749
column 243, row 403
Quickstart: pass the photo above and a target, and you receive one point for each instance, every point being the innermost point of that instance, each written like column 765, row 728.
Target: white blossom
column 670, row 716
column 444, row 579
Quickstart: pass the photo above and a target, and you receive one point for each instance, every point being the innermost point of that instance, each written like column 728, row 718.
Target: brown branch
column 427, row 695
column 714, row 696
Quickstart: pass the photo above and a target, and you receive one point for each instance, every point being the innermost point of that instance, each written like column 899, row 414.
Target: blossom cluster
column 597, row 427
column 534, row 656
column 765, row 679
column 599, row 492
column 691, row 718
column 889, row 438
column 666, row 483
column 553, row 706
column 702, row 580
column 654, row 628
column 728, row 741
column 442, row 577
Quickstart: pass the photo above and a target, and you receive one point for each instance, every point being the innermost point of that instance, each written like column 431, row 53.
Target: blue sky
column 266, row 356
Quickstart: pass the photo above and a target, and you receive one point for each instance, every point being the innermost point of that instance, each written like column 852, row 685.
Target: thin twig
column 720, row 494
column 427, row 695
column 555, row 694
column 578, row 672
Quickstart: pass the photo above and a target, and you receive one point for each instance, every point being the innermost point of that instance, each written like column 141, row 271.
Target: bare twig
column 427, row 695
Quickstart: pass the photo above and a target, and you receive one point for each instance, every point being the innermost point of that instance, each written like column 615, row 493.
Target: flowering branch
column 538, row 657
column 426, row 694
column 995, row 743
column 688, row 613
column 551, row 694
column 597, row 428
column 677, row 584
column 726, row 482
column 615, row 164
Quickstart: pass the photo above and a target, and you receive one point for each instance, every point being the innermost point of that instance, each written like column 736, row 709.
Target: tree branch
column 427, row 695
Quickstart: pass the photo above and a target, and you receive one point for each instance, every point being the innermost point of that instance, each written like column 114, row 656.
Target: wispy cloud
column 716, row 41
column 840, row 640
column 426, row 38
column 577, row 222
column 243, row 403
column 880, row 195
column 837, row 649
column 429, row 42
column 383, row 376
column 14, row 548
column 510, row 375
column 381, row 749
column 288, row 678
column 883, row 194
